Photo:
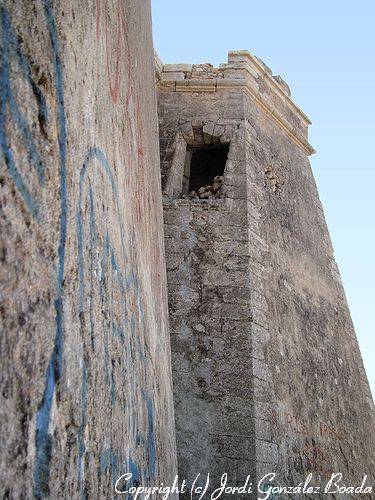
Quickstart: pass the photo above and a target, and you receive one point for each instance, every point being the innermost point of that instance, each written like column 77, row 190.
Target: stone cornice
column 260, row 67
column 243, row 72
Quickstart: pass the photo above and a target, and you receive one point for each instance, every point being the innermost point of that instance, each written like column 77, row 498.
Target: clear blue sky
column 325, row 51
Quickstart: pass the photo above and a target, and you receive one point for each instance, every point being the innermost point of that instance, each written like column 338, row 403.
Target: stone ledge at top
column 186, row 68
column 244, row 56
column 245, row 72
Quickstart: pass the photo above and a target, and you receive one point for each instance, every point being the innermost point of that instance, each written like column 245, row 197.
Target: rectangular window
column 204, row 169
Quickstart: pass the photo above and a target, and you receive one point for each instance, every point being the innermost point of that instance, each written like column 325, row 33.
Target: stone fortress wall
column 85, row 356
column 266, row 367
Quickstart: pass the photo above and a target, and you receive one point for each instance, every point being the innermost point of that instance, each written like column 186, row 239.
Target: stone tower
column 267, row 372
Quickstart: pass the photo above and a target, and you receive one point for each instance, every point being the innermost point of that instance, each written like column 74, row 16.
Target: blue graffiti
column 10, row 46
column 108, row 262
column 92, row 245
column 43, row 440
column 81, row 442
column 110, row 461
column 12, row 50
column 103, row 265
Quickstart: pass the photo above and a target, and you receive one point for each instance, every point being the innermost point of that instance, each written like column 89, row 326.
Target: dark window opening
column 206, row 163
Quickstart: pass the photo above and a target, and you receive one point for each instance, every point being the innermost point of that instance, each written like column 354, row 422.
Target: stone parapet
column 242, row 73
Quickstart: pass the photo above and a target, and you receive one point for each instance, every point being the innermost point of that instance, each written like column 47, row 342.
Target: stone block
column 221, row 277
column 261, row 370
column 208, row 131
column 187, row 131
column 173, row 76
column 259, row 301
column 173, row 68
column 263, row 390
column 266, row 451
column 237, row 447
column 260, row 334
column 263, row 430
column 263, row 411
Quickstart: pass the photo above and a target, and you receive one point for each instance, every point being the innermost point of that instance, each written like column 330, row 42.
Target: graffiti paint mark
column 81, row 442
column 330, row 431
column 119, row 47
column 92, row 249
column 317, row 460
column 43, row 440
column 105, row 266
column 10, row 50
column 110, row 461
column 108, row 261
column 111, row 272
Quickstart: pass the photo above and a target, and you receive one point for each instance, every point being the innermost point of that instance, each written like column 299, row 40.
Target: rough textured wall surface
column 267, row 372
column 209, row 293
column 312, row 390
column 85, row 359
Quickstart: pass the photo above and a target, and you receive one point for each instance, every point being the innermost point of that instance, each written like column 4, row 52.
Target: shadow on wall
column 206, row 164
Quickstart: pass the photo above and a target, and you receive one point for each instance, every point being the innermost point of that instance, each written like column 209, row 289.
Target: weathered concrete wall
column 268, row 376
column 85, row 359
